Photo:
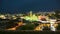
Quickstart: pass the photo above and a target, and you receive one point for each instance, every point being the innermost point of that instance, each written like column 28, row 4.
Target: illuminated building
column 2, row 17
column 31, row 18
column 52, row 21
column 30, row 13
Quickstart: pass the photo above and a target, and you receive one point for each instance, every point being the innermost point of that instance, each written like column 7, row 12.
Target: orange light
column 14, row 28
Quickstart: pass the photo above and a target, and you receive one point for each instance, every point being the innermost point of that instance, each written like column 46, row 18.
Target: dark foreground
column 29, row 32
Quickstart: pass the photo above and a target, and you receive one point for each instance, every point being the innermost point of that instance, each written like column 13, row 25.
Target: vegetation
column 27, row 27
column 57, row 13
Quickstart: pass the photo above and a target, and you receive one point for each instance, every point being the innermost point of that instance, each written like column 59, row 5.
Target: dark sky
column 16, row 6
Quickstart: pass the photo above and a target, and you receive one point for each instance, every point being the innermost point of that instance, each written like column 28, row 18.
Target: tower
column 30, row 14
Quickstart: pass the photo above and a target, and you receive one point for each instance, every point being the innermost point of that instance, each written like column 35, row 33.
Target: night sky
column 19, row 6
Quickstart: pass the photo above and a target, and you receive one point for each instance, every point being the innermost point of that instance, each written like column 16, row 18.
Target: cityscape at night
column 36, row 20
column 33, row 16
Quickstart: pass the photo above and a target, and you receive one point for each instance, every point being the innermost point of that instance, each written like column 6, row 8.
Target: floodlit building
column 2, row 17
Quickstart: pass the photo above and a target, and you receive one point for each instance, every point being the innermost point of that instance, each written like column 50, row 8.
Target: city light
column 34, row 19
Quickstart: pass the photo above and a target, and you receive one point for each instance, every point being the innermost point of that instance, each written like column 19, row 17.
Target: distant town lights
column 2, row 16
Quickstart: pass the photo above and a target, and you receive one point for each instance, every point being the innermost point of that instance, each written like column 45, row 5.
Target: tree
column 27, row 27
column 57, row 13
